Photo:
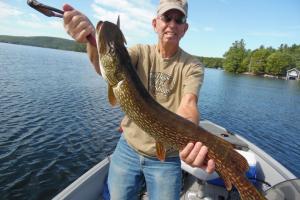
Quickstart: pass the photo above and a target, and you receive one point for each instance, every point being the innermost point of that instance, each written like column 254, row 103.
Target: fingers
column 81, row 31
column 210, row 168
column 67, row 7
column 200, row 157
column 76, row 24
column 195, row 156
column 186, row 151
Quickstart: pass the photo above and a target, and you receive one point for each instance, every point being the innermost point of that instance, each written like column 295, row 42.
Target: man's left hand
column 195, row 154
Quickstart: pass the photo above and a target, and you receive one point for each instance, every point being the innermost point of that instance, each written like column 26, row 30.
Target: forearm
column 188, row 109
column 189, row 114
column 194, row 153
column 94, row 57
column 79, row 27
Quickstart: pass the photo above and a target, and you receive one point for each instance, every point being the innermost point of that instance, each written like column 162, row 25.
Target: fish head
column 110, row 44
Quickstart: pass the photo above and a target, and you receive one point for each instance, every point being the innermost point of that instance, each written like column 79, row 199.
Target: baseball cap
column 165, row 5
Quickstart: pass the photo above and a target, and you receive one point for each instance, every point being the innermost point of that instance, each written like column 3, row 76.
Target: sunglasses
column 178, row 20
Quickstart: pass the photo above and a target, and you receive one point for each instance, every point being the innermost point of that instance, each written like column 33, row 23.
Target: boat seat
column 214, row 177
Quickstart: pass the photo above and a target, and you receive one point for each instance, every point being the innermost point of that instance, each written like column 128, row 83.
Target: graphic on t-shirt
column 161, row 84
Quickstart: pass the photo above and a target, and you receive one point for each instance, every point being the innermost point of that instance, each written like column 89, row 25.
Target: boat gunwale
column 282, row 170
column 66, row 192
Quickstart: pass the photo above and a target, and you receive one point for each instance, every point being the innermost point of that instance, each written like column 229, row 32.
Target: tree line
column 46, row 42
column 264, row 60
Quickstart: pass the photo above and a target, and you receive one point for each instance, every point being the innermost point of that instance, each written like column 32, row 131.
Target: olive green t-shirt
column 167, row 80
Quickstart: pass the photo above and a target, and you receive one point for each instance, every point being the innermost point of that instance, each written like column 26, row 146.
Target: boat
column 268, row 175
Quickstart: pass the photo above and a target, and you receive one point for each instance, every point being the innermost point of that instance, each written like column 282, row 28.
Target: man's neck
column 167, row 51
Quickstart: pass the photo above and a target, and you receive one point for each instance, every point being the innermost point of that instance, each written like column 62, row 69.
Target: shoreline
column 264, row 75
column 252, row 74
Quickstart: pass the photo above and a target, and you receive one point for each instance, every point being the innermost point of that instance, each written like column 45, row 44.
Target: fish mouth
column 100, row 46
column 99, row 26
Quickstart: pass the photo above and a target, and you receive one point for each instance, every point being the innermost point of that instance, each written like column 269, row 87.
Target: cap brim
column 167, row 8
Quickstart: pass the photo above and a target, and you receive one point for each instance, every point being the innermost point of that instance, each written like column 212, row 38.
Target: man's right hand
column 77, row 25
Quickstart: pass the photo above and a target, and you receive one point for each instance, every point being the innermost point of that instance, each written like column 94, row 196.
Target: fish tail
column 248, row 191
column 256, row 196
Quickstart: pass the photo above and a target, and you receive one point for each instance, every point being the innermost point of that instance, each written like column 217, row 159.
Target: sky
column 213, row 24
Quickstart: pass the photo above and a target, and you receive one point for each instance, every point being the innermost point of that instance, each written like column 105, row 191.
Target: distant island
column 71, row 45
column 46, row 42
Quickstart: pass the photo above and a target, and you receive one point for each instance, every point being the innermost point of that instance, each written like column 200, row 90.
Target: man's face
column 170, row 27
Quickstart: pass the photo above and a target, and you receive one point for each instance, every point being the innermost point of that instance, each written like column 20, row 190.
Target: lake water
column 56, row 123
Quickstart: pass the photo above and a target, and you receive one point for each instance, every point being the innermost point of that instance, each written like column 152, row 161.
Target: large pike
column 166, row 127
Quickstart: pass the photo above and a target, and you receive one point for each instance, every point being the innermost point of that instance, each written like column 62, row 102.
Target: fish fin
column 118, row 21
column 119, row 26
column 160, row 151
column 125, row 42
column 111, row 96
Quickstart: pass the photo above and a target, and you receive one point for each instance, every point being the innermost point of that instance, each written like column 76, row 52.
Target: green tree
column 234, row 56
column 294, row 50
column 279, row 62
column 258, row 60
column 212, row 62
column 245, row 63
column 283, row 47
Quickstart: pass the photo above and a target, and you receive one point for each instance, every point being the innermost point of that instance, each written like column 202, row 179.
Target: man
column 173, row 78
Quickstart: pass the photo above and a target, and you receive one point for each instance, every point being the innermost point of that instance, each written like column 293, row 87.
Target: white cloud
column 56, row 24
column 31, row 21
column 208, row 29
column 7, row 10
column 197, row 29
column 194, row 29
column 34, row 21
column 24, row 22
column 136, row 16
column 134, row 8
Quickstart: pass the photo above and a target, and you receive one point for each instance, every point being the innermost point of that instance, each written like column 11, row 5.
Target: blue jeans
column 128, row 170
